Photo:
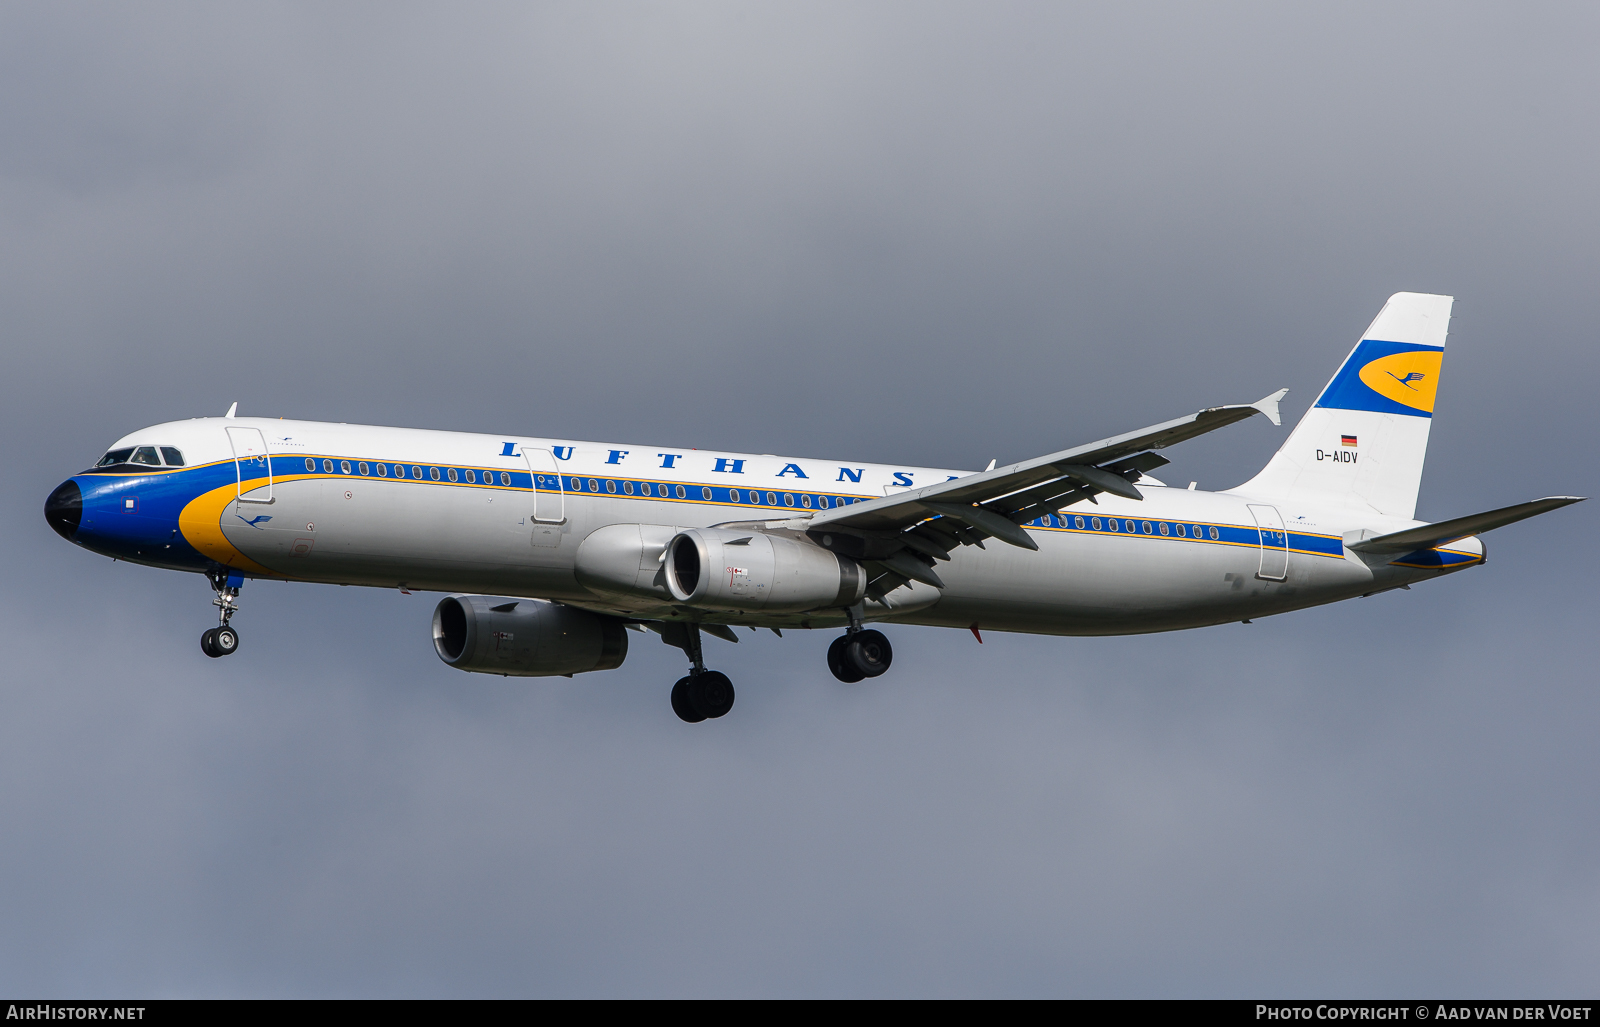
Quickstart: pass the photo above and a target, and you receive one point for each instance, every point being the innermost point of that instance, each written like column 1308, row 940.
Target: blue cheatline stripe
column 301, row 467
column 1167, row 531
column 654, row 490
column 1433, row 559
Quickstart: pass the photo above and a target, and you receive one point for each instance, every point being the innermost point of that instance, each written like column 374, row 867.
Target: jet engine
column 718, row 569
column 525, row 637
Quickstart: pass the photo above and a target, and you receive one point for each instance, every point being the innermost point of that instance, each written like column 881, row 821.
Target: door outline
column 259, row 444
column 1274, row 543
column 549, row 504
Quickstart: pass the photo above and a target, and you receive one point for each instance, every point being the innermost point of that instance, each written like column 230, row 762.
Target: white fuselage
column 460, row 512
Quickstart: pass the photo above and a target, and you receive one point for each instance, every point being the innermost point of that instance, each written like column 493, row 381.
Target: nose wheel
column 223, row 640
column 219, row 642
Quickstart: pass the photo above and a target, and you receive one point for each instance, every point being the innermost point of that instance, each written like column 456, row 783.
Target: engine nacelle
column 717, row 569
column 525, row 637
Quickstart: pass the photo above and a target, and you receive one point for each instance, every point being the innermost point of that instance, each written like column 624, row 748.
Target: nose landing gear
column 222, row 640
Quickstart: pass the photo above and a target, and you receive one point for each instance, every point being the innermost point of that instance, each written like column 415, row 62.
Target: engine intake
column 525, row 637
column 717, row 569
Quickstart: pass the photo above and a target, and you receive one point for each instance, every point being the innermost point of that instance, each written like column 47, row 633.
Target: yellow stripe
column 201, row 524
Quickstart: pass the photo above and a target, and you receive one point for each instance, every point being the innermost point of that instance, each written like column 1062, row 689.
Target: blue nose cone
column 63, row 511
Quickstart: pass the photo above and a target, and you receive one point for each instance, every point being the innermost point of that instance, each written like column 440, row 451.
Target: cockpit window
column 173, row 457
column 146, row 455
column 116, row 456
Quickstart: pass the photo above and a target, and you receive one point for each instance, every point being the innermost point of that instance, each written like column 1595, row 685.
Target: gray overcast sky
column 918, row 232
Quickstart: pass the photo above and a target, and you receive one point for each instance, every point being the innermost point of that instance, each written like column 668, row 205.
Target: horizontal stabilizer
column 1431, row 535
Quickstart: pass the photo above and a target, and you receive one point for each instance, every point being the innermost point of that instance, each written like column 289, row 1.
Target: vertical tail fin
column 1364, row 439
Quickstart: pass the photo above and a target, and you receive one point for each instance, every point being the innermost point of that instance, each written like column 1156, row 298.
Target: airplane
column 550, row 550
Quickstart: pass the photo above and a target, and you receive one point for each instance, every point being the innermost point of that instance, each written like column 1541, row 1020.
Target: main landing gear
column 703, row 694
column 222, row 640
column 859, row 653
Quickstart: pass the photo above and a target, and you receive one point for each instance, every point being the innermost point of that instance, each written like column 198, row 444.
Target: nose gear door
column 250, row 462
column 1274, row 543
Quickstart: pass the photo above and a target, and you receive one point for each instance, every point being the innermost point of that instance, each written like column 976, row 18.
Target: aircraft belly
column 1085, row 584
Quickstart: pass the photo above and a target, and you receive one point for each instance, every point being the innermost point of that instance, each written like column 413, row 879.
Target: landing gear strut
column 859, row 653
column 222, row 640
column 703, row 694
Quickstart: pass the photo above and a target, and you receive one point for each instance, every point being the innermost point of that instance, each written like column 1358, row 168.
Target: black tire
column 208, row 643
column 869, row 652
column 842, row 668
column 680, row 703
column 225, row 641
column 711, row 694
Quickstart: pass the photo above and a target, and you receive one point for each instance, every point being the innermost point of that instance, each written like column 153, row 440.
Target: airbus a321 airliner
column 553, row 548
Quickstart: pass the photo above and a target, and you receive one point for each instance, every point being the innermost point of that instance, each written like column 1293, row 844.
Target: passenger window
column 311, row 465
column 594, row 486
column 611, row 486
column 733, row 494
column 705, row 493
column 822, row 501
column 680, row 491
column 805, row 500
column 1128, row 525
column 1164, row 529
column 1148, row 530
column 146, row 455
column 646, row 489
column 1181, row 533
column 171, row 456
column 1113, row 524
column 1214, row 533
column 472, row 476
column 344, row 467
column 451, row 474
column 627, row 487
column 772, row 500
column 363, row 468
column 788, row 500
column 433, row 472
column 1077, row 522
column 1096, row 523
column 416, row 472
column 383, row 470
column 505, row 479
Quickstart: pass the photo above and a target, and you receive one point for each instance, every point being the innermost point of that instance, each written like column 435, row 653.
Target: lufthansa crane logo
column 1409, row 378
column 255, row 522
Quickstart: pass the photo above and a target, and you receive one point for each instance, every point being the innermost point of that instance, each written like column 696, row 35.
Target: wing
column 904, row 534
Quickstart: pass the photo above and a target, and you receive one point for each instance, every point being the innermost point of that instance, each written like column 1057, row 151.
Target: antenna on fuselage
column 232, row 409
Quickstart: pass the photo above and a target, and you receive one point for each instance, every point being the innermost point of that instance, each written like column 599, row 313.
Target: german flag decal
column 1347, row 440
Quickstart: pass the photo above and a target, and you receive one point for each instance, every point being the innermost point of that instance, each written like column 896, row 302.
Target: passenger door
column 250, row 462
column 1274, row 543
column 549, row 496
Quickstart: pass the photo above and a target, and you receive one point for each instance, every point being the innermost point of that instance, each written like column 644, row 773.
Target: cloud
column 924, row 233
